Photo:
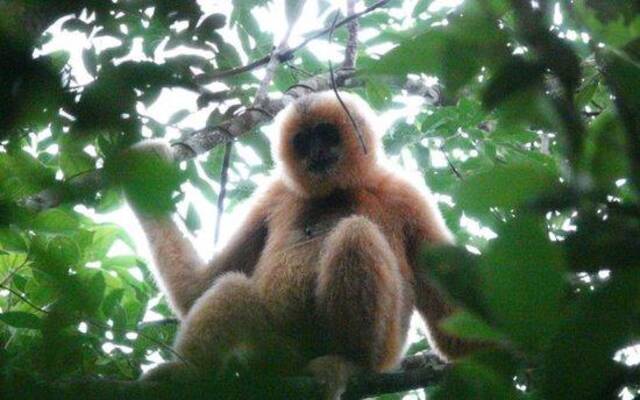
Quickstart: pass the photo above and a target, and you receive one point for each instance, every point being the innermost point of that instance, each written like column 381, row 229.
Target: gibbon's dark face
column 319, row 147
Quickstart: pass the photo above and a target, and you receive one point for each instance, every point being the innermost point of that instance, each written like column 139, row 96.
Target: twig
column 339, row 24
column 24, row 299
column 335, row 91
column 286, row 54
column 260, row 98
column 14, row 271
column 451, row 166
column 352, row 42
column 224, row 174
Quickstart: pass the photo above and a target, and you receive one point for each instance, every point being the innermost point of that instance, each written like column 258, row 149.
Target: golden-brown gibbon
column 323, row 272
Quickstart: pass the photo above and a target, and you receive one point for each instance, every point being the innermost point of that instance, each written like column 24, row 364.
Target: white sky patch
column 557, row 15
column 438, row 5
column 109, row 347
column 154, row 358
column 475, row 228
column 438, row 158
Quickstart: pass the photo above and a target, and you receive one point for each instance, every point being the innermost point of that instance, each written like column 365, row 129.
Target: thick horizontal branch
column 247, row 387
column 204, row 140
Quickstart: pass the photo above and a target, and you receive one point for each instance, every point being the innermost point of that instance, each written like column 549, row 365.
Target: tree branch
column 247, row 387
column 204, row 140
column 260, row 98
column 285, row 54
column 352, row 42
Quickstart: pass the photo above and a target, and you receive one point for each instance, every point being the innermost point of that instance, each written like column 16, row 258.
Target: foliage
column 533, row 150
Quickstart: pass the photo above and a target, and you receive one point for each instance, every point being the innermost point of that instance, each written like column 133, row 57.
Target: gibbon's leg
column 434, row 309
column 230, row 320
column 359, row 295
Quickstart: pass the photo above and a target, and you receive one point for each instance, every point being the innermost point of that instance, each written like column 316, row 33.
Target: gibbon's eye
column 301, row 144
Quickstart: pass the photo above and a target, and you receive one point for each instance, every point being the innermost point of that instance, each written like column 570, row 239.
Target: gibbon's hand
column 148, row 176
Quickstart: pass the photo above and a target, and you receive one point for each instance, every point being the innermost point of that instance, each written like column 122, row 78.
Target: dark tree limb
column 247, row 387
column 204, row 140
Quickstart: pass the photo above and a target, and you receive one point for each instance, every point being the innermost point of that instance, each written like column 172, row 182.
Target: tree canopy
column 523, row 118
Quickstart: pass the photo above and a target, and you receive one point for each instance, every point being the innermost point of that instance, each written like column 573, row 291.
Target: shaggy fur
column 323, row 268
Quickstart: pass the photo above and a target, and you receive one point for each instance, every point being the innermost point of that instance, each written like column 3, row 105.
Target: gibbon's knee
column 228, row 318
column 359, row 294
column 434, row 309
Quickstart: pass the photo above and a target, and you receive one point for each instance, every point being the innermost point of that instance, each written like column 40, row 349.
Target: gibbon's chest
column 286, row 272
column 298, row 227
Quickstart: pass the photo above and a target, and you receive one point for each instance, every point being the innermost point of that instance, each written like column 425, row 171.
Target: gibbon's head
column 319, row 148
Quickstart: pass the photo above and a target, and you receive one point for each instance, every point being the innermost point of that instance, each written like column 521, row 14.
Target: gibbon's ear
column 318, row 147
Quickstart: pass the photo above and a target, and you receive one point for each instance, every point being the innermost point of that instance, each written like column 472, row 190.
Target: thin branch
column 339, row 24
column 352, row 42
column 11, row 274
column 286, row 54
column 224, row 174
column 344, row 106
column 451, row 165
column 24, row 299
column 260, row 98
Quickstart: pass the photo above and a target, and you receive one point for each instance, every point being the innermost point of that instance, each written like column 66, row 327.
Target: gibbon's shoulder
column 414, row 205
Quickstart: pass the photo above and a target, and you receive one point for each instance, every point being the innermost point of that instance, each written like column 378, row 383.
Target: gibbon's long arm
column 426, row 227
column 183, row 274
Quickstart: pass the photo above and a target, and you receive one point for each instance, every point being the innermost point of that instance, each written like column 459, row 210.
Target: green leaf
column 193, row 219
column 63, row 251
column 149, row 179
column 111, row 300
column 11, row 239
column 54, row 221
column 605, row 152
column 96, row 289
column 508, row 187
column 378, row 93
column 421, row 6
column 19, row 319
column 579, row 363
column 523, row 282
column 514, row 76
column 178, row 116
column 210, row 24
column 465, row 325
column 470, row 380
column 454, row 53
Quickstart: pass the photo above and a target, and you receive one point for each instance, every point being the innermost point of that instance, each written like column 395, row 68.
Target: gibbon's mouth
column 322, row 164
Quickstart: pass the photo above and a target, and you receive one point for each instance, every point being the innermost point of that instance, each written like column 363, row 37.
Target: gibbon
column 323, row 272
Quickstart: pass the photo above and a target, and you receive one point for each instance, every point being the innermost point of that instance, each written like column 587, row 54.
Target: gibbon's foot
column 333, row 373
column 228, row 316
column 359, row 295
